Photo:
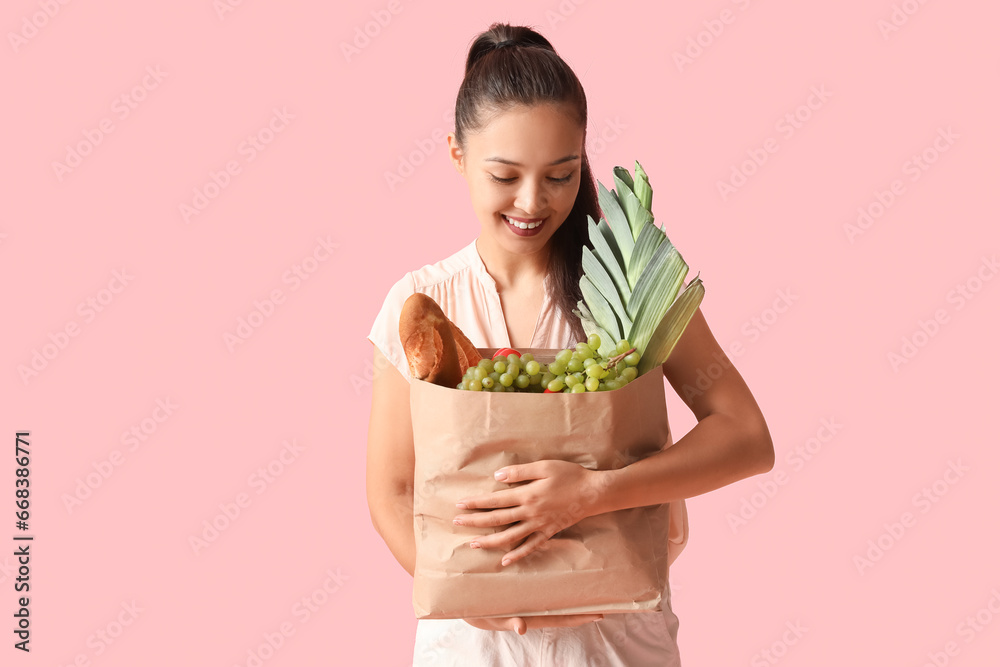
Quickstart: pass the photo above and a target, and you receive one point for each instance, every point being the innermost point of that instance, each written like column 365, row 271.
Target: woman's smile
column 524, row 227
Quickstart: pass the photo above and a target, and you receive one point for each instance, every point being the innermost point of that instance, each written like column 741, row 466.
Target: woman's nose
column 531, row 198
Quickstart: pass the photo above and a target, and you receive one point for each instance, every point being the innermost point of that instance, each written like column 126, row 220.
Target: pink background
column 303, row 534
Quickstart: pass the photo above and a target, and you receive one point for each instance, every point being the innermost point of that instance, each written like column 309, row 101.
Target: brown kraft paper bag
column 608, row 563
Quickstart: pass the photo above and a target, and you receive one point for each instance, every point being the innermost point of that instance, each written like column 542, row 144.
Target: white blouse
column 468, row 296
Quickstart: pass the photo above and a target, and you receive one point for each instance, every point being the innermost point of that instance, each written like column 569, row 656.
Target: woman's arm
column 730, row 441
column 389, row 474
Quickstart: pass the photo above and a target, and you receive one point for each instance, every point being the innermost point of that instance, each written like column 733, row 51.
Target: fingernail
column 457, row 521
column 505, row 561
column 461, row 506
column 500, row 475
column 474, row 545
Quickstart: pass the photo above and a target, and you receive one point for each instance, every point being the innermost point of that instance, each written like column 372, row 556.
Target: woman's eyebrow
column 518, row 164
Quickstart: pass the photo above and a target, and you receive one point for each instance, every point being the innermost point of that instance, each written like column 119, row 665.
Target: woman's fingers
column 498, row 517
column 502, row 498
column 515, row 623
column 535, row 542
column 567, row 620
column 521, row 624
column 501, row 623
column 502, row 539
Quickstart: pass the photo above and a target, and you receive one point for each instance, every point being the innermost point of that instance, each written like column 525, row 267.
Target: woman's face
column 536, row 153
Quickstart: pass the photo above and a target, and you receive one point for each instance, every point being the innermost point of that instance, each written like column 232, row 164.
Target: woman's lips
column 523, row 232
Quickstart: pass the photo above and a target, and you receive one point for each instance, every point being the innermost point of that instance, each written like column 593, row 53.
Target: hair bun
column 501, row 36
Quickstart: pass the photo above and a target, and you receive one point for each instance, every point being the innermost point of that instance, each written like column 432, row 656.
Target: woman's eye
column 566, row 179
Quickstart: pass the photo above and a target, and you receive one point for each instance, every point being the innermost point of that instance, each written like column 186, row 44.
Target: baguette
column 465, row 347
column 429, row 342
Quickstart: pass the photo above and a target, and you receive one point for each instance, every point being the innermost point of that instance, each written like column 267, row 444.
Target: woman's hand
column 560, row 494
column 521, row 624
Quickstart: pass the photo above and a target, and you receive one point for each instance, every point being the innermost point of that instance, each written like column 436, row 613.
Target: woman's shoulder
column 457, row 264
column 435, row 279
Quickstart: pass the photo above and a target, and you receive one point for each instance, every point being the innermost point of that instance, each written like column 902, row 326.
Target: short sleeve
column 385, row 330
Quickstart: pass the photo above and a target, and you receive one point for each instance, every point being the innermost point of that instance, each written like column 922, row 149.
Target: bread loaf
column 465, row 348
column 429, row 342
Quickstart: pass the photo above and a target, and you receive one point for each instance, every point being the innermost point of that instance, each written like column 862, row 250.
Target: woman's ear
column 456, row 154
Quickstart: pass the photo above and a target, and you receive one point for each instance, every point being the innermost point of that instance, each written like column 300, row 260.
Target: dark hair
column 510, row 66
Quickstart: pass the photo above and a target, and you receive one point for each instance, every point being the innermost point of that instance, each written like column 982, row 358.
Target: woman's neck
column 511, row 270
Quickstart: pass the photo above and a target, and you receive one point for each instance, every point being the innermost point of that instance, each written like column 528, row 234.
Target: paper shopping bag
column 609, row 563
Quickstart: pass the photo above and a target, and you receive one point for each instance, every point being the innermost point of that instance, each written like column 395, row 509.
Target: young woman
column 519, row 142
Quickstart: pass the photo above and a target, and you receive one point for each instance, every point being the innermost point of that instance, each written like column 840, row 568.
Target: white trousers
column 634, row 639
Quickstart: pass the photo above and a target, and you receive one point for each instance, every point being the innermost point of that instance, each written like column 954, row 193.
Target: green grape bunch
column 572, row 371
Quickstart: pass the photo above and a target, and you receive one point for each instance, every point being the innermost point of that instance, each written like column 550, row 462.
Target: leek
column 632, row 279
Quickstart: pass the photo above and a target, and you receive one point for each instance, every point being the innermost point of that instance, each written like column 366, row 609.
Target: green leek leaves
column 632, row 277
